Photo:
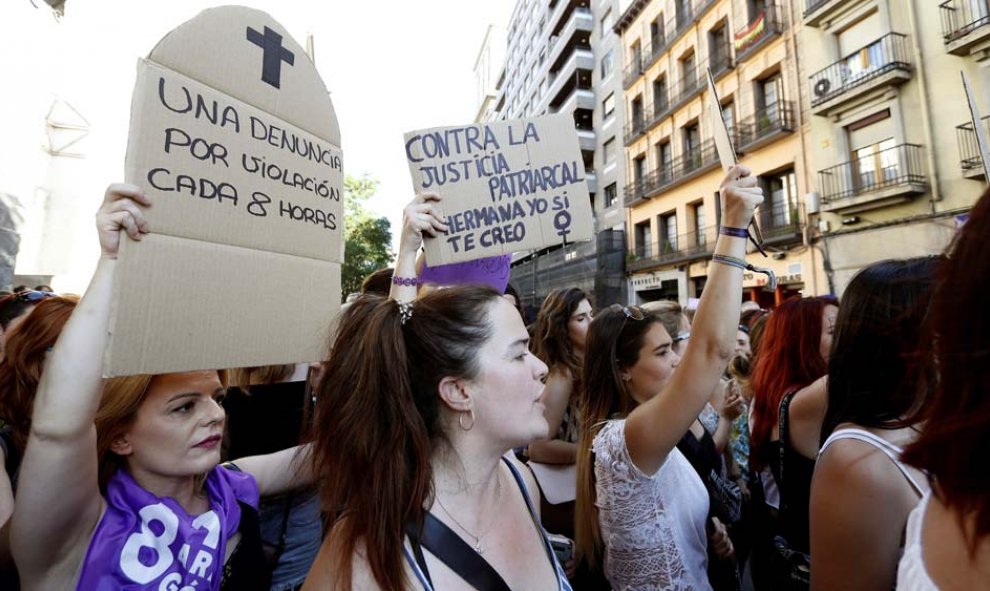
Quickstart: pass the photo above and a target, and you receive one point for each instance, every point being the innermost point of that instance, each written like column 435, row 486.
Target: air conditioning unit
column 812, row 202
column 822, row 87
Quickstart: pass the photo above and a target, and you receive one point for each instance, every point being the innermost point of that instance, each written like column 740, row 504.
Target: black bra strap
column 451, row 550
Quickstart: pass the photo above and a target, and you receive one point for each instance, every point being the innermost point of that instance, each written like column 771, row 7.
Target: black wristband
column 734, row 232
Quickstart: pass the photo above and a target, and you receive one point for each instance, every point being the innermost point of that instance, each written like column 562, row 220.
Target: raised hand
column 121, row 209
column 741, row 194
column 422, row 215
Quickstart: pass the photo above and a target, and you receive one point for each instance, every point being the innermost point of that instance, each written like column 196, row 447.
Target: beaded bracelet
column 734, row 232
column 741, row 264
column 406, row 281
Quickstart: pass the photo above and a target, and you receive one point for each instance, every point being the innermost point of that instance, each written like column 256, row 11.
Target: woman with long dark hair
column 947, row 541
column 558, row 341
column 641, row 508
column 421, row 402
column 861, row 493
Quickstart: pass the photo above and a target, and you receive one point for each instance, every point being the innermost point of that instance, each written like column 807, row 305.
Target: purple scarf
column 150, row 543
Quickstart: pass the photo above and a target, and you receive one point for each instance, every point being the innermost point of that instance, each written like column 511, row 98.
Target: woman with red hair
column 28, row 344
column 790, row 395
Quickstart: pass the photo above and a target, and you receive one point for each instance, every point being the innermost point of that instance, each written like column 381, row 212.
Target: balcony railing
column 670, row 32
column 883, row 169
column 683, row 247
column 884, row 55
column 633, row 71
column 779, row 221
column 761, row 29
column 635, row 128
column 962, row 17
column 681, row 169
column 969, row 149
column 765, row 124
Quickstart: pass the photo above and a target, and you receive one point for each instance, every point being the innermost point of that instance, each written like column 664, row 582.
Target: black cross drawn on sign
column 274, row 54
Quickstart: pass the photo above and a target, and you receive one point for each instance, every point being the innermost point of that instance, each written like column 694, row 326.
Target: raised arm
column 654, row 427
column 58, row 499
column 280, row 472
column 421, row 216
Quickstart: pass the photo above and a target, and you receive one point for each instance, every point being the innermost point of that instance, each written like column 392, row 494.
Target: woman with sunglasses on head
column 15, row 307
column 120, row 486
column 421, row 402
column 862, row 493
column 641, row 509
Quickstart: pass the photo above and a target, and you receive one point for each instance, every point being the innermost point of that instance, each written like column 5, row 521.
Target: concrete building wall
column 891, row 81
column 756, row 66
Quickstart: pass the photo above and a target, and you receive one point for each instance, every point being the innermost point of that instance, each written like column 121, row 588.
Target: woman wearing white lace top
column 862, row 493
column 641, row 508
column 948, row 535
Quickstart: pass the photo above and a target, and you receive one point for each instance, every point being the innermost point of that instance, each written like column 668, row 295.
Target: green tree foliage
column 367, row 239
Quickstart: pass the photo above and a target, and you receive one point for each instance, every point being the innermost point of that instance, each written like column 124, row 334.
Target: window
column 718, row 48
column 780, row 208
column 608, row 106
column 668, row 233
column 692, row 139
column 689, row 73
column 755, row 7
column 608, row 63
column 664, row 160
column 610, row 195
column 876, row 164
column 639, row 171
column 636, row 108
column 685, row 13
column 607, row 23
column 608, row 149
column 698, row 211
column 643, row 239
column 660, row 98
column 656, row 34
column 768, row 97
column 636, row 56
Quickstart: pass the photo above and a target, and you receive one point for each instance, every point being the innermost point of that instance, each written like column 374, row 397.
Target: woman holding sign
column 421, row 402
column 120, row 486
column 641, row 509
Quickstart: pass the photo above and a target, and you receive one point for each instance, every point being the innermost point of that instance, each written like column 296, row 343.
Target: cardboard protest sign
column 507, row 186
column 720, row 131
column 493, row 271
column 234, row 139
column 981, row 136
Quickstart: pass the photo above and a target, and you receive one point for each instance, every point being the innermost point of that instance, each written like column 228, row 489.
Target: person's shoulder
column 856, row 469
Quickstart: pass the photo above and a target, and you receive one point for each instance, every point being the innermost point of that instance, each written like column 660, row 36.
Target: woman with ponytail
column 641, row 508
column 420, row 401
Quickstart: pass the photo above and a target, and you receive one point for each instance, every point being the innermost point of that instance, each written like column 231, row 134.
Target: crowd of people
column 446, row 443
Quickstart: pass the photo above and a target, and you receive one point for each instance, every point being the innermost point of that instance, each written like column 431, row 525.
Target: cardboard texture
column 723, row 143
column 234, row 139
column 978, row 129
column 506, row 186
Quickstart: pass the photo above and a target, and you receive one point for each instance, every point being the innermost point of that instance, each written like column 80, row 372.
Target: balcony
column 682, row 169
column 969, row 150
column 635, row 128
column 884, row 177
column 586, row 139
column 779, row 222
column 881, row 64
column 760, row 31
column 817, row 11
column 576, row 34
column 683, row 248
column 633, row 71
column 686, row 88
column 965, row 26
column 575, row 75
column 765, row 126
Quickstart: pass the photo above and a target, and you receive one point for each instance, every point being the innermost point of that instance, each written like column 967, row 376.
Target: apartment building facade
column 893, row 147
column 560, row 58
column 673, row 168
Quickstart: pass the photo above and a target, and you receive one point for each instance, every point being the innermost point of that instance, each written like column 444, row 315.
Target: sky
column 390, row 66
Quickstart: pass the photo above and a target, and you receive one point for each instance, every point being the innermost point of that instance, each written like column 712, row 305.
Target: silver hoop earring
column 460, row 419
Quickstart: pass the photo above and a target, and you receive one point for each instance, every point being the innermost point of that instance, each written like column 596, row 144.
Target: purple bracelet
column 406, row 281
column 734, row 232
